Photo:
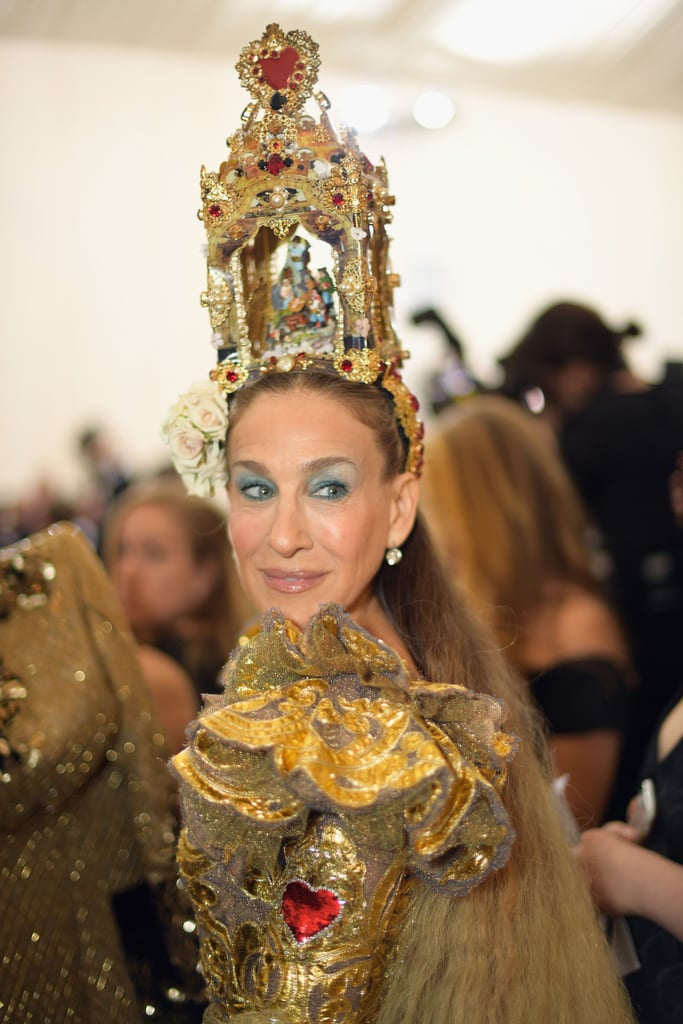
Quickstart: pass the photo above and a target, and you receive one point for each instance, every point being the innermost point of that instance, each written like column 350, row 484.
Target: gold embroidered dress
column 85, row 794
column 314, row 793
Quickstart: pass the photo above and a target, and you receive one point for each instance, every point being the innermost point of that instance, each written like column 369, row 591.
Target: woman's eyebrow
column 312, row 466
column 326, row 462
column 254, row 467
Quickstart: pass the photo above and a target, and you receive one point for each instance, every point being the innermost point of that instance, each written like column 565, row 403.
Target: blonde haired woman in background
column 512, row 530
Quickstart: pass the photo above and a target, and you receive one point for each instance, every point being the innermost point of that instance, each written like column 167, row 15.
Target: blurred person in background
column 107, row 476
column 105, row 466
column 621, row 438
column 93, row 927
column 512, row 531
column 169, row 557
column 635, row 869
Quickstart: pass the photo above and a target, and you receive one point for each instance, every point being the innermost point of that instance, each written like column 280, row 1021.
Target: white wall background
column 518, row 203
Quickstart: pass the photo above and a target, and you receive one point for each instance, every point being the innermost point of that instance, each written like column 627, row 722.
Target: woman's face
column 155, row 573
column 311, row 513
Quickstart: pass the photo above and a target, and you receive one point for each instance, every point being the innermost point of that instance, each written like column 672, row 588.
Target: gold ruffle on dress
column 314, row 792
column 86, row 801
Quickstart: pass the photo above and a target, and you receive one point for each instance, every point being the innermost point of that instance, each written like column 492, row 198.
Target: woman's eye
column 330, row 490
column 256, row 490
column 154, row 553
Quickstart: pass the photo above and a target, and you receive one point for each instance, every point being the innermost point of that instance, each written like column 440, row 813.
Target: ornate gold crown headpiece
column 298, row 261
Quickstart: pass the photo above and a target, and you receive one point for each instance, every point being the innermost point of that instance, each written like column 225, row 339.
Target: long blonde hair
column 524, row 947
column 503, row 510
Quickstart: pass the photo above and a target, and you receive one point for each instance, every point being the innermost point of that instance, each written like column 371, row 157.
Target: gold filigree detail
column 329, row 767
column 282, row 226
column 359, row 365
column 280, row 67
column 406, row 406
column 25, row 581
column 288, row 175
column 219, row 297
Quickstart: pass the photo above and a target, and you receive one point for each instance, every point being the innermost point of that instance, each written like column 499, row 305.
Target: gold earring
column 393, row 556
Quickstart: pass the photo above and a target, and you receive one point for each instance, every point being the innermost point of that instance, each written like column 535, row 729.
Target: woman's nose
column 288, row 532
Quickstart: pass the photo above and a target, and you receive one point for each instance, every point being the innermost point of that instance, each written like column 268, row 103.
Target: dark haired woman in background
column 621, row 438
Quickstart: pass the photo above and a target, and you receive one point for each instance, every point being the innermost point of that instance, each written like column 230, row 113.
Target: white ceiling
column 635, row 58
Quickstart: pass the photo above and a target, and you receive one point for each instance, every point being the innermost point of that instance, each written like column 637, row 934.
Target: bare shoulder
column 172, row 693
column 162, row 672
column 586, row 626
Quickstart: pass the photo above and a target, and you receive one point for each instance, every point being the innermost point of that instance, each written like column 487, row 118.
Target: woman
column 514, row 534
column 316, row 499
column 92, row 925
column 636, row 869
column 621, row 438
column 169, row 557
column 349, row 824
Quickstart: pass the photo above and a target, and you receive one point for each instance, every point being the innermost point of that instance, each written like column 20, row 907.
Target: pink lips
column 291, row 582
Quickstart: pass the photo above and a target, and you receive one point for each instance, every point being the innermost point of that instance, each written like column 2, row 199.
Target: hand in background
column 626, row 878
column 610, row 857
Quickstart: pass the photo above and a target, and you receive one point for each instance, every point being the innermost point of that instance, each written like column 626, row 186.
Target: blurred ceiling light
column 364, row 107
column 508, row 32
column 433, row 109
column 336, row 10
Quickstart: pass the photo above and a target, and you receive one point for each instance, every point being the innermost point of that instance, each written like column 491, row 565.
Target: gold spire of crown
column 298, row 261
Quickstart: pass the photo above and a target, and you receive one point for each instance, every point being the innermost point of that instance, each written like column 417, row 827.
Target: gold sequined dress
column 86, row 801
column 317, row 792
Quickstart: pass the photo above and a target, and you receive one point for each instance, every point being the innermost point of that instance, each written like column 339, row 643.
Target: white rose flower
column 209, row 417
column 176, row 411
column 187, row 445
column 195, row 430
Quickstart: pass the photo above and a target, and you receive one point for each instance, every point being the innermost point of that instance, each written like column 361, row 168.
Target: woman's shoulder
column 575, row 624
column 172, row 692
column 588, row 625
column 161, row 667
column 584, row 679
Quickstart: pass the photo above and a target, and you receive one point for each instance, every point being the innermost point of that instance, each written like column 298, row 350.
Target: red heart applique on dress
column 276, row 70
column 307, row 911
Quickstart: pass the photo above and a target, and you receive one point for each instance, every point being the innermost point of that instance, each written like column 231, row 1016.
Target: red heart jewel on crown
column 307, row 911
column 276, row 70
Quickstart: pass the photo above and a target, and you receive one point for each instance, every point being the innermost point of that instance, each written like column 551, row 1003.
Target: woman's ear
column 405, row 494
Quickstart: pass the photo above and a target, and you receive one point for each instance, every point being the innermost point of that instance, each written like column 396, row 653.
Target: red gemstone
column 307, row 911
column 278, row 67
column 275, row 163
column 347, row 365
column 338, row 199
column 231, row 376
column 414, row 402
column 215, row 210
